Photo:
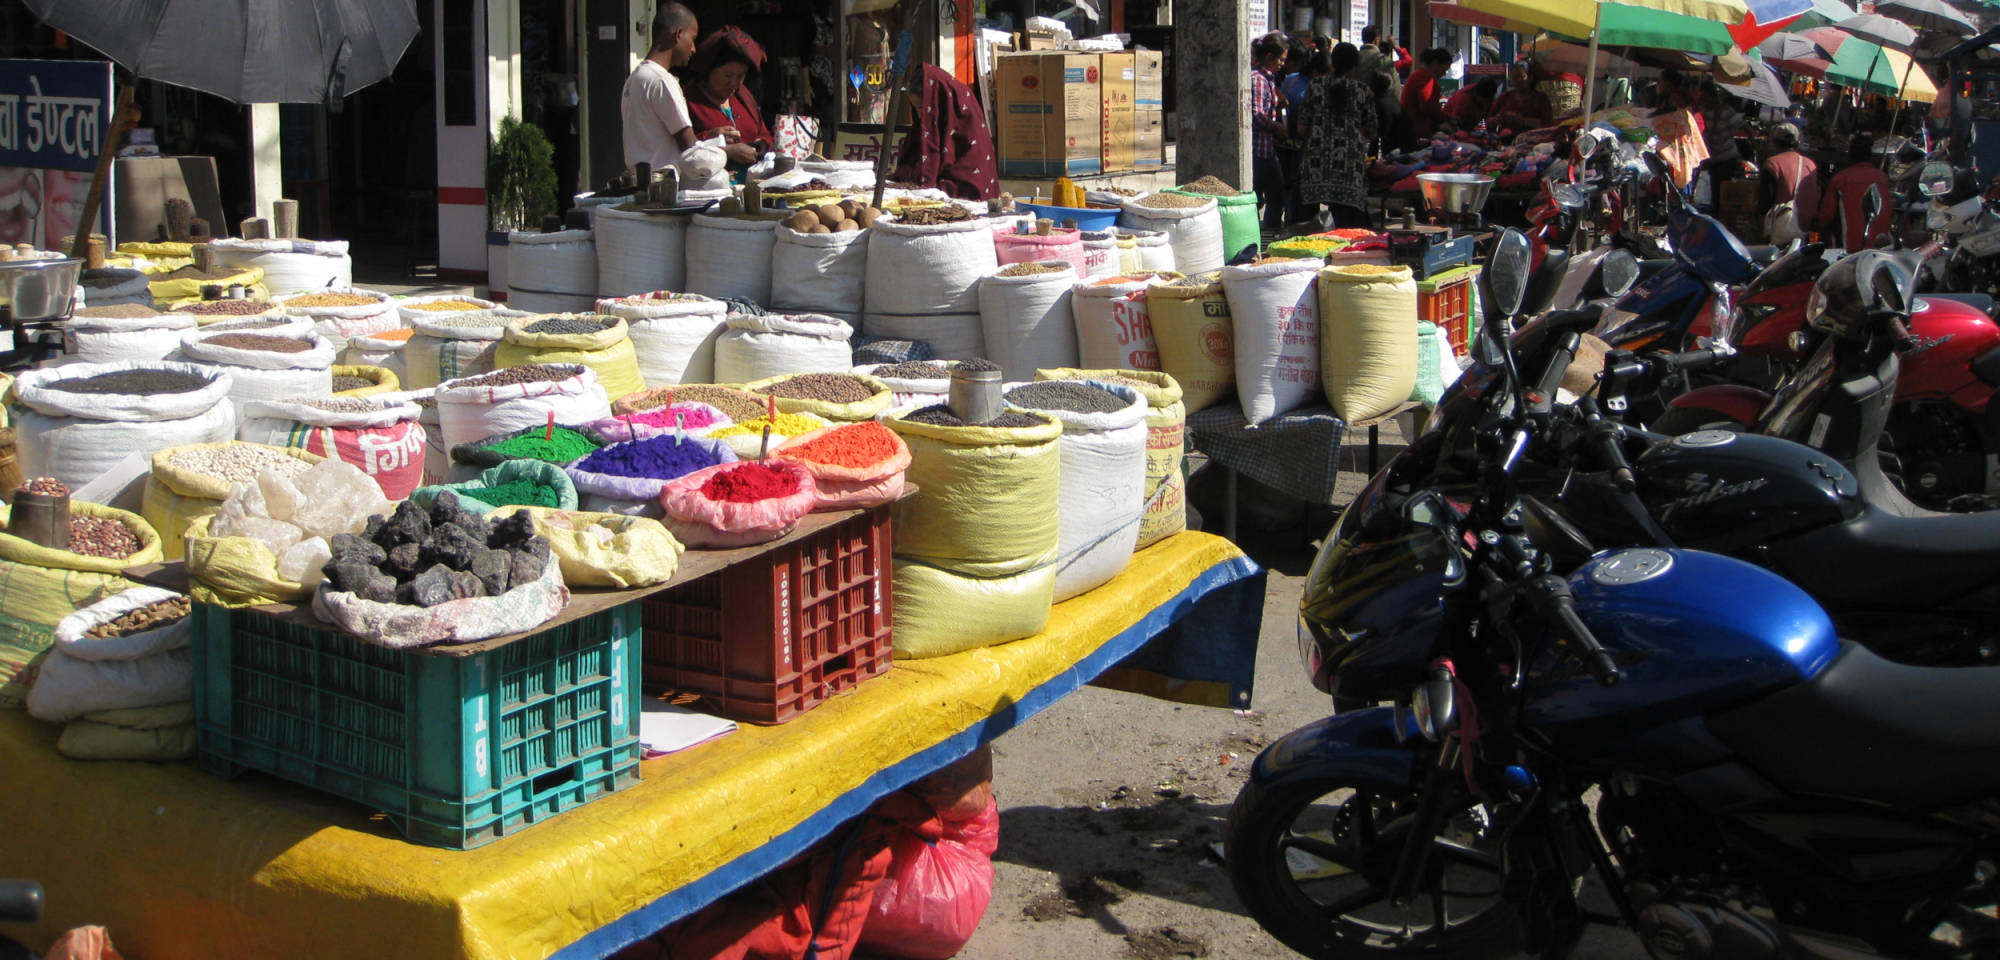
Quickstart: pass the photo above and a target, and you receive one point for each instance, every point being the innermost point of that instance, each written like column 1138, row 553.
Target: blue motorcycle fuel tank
column 1693, row 631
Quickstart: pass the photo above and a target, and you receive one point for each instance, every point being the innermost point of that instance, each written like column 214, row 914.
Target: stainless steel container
column 39, row 289
column 975, row 394
column 1455, row 193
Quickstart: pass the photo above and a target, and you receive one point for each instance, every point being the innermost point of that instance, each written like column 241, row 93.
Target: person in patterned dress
column 1338, row 122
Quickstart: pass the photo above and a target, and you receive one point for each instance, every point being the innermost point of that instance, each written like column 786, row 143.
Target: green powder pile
column 562, row 446
column 518, row 493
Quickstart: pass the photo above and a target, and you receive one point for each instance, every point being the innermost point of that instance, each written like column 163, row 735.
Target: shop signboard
column 54, row 116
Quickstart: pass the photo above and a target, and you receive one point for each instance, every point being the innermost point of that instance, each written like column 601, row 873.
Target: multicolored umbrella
column 1823, row 13
column 1764, row 87
column 1581, row 18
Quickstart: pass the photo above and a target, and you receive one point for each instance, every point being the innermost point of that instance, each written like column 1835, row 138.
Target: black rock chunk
column 451, row 546
column 348, row 548
column 445, row 509
column 402, row 560
column 492, row 567
column 465, row 586
column 406, row 594
column 511, row 532
column 409, row 524
column 432, row 587
column 380, row 588
column 524, row 568
column 349, row 577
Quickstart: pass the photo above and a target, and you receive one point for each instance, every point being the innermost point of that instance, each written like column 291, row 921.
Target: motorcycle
column 20, row 902
column 1761, row 788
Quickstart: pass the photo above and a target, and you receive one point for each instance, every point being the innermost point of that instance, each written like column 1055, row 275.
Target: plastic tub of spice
column 560, row 444
column 853, row 465
column 626, row 478
column 738, row 504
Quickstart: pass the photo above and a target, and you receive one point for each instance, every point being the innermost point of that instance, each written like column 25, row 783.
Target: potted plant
column 520, row 191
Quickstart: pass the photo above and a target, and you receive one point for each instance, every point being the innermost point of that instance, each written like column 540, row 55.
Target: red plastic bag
column 939, row 882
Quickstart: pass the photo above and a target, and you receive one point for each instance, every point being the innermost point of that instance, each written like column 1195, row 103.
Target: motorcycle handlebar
column 1668, row 364
column 1552, row 596
column 20, row 901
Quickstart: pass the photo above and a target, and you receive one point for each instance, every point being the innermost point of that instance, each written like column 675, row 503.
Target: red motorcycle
column 1943, row 434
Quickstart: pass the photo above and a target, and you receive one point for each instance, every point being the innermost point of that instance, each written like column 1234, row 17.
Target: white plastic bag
column 1026, row 321
column 819, row 272
column 70, row 630
column 674, row 334
column 638, row 252
column 1114, row 328
column 755, row 347
column 389, row 354
column 467, row 412
column 1195, row 233
column 290, row 266
column 339, row 324
column 918, row 271
column 111, row 339
column 730, row 257
column 68, row 687
column 1274, row 312
column 1100, row 255
column 76, row 437
column 704, row 166
column 453, row 346
column 1103, row 491
column 266, row 374
column 551, row 272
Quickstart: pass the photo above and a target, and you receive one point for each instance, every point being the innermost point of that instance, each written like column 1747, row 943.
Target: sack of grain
column 819, row 272
column 173, row 286
column 39, row 586
column 452, row 346
column 730, row 257
column 1191, row 326
column 1100, row 255
column 383, row 437
column 375, row 381
column 551, row 272
column 493, row 403
column 107, row 339
column 190, row 482
column 1145, row 250
column 111, row 286
column 832, row 404
column 1102, row 486
column 1368, row 341
column 339, row 315
column 1192, row 225
column 383, row 350
column 76, row 436
column 674, row 334
column 637, row 252
column 1238, row 213
column 1166, row 445
column 606, row 350
column 1026, row 319
column 85, row 674
column 1274, row 310
column 923, row 283
column 1114, row 327
column 1060, row 244
column 756, row 347
column 290, row 266
column 260, row 373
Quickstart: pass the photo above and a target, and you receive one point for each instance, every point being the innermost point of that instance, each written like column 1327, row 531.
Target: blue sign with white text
column 54, row 114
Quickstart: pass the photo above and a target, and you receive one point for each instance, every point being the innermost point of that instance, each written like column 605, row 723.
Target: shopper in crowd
column 1420, row 96
column 1855, row 207
column 1788, row 175
column 949, row 145
column 1296, row 76
column 1267, row 130
column 1318, row 64
column 656, row 123
column 1399, row 56
column 1374, row 60
column 1523, row 106
column 1339, row 123
column 1392, row 129
column 719, row 103
column 1470, row 105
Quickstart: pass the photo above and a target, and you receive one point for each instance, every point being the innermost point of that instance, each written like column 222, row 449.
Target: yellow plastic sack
column 168, row 293
column 175, row 496
column 163, row 250
column 1192, row 328
column 385, row 380
column 939, row 612
column 236, row 571
column 856, row 411
column 985, row 503
column 139, row 733
column 605, row 549
column 609, row 351
column 1166, row 446
column 40, row 586
column 1367, row 339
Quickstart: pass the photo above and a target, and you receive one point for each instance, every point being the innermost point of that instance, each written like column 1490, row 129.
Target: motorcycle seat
column 1763, row 254
column 1883, row 559
column 1866, row 728
column 1977, row 301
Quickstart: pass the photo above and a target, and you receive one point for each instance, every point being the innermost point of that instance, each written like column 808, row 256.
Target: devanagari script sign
column 54, row 116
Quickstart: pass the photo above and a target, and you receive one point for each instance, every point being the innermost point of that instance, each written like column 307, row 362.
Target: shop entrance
column 608, row 46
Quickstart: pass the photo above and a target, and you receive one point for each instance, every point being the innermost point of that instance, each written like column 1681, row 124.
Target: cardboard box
column 1117, row 71
column 1148, row 80
column 1050, row 109
column 1149, row 140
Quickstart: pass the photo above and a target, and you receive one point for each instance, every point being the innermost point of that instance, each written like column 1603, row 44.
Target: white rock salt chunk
column 305, row 560
column 278, row 535
column 336, row 497
column 281, row 496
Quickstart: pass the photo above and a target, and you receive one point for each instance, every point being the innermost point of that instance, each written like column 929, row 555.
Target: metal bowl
column 38, row 289
column 1455, row 192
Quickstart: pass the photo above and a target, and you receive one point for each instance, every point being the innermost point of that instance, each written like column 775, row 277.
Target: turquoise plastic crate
column 455, row 750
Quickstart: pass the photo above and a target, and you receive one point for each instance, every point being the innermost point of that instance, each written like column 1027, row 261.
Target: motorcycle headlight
column 1434, row 704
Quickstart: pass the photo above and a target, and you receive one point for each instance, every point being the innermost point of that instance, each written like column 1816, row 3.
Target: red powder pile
column 749, row 483
column 856, row 445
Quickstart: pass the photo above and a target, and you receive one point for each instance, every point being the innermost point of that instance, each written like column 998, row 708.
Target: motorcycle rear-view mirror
column 1658, row 166
column 1506, row 274
column 1587, row 143
column 1615, row 275
column 1936, row 179
column 1545, row 283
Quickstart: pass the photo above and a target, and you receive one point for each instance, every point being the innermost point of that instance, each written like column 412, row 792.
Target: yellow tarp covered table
column 179, row 863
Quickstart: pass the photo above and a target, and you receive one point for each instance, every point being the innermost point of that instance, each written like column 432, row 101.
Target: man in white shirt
column 655, row 111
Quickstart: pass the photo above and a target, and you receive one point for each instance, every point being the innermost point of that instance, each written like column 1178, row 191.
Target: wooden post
column 896, row 95
column 123, row 119
column 254, row 228
column 285, row 219
column 94, row 254
column 204, row 258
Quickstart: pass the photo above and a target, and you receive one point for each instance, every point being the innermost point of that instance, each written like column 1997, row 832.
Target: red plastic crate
column 770, row 638
column 1446, row 300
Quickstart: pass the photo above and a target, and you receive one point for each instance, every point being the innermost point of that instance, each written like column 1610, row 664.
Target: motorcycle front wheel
column 1312, row 862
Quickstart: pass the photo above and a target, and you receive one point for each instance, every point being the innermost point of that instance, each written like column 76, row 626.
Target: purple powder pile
column 660, row 458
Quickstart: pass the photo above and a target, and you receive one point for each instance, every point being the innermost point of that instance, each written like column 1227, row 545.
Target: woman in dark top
column 719, row 103
column 1338, row 120
column 949, row 145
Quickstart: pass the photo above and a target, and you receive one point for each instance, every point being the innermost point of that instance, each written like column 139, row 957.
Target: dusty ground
column 1110, row 803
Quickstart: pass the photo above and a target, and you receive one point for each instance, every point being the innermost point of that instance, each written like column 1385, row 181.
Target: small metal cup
column 975, row 395
column 41, row 519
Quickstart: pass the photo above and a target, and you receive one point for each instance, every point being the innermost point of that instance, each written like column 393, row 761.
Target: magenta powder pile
column 693, row 417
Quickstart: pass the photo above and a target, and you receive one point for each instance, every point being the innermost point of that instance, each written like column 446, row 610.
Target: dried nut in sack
column 447, row 306
column 831, row 214
column 828, row 387
column 237, row 462
column 225, row 308
column 940, row 415
column 45, row 486
column 101, row 537
column 152, row 616
column 258, row 341
column 331, row 300
column 1067, row 396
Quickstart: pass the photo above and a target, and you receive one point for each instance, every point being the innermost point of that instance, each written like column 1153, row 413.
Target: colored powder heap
column 787, row 425
column 560, row 446
column 517, row 493
column 855, row 445
column 659, row 458
column 750, row 482
column 693, row 417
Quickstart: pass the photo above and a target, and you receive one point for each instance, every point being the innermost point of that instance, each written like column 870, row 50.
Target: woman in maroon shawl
column 719, row 103
column 949, row 145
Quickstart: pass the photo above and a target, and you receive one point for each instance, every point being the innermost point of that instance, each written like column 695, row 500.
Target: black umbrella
column 248, row 51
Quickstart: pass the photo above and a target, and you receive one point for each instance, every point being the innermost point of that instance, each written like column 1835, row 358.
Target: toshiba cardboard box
column 1119, row 75
column 1149, row 110
column 1051, row 114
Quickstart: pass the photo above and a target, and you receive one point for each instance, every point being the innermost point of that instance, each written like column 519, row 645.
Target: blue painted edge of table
column 1240, row 573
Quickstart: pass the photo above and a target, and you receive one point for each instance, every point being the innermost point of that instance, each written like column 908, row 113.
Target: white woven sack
column 1103, row 491
column 77, row 437
column 756, row 347
column 1149, row 251
column 390, row 355
column 290, row 266
column 1114, row 326
column 468, row 413
column 637, row 252
column 338, row 324
column 409, row 310
column 730, row 257
column 819, row 272
column 271, row 422
column 908, row 392
column 675, row 339
column 551, row 272
column 1100, row 255
column 1026, row 321
column 440, row 352
column 125, row 286
column 68, row 687
column 110, row 339
column 1195, row 233
column 921, row 271
column 266, row 374
column 70, row 630
column 1274, row 311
